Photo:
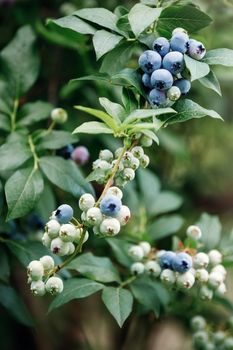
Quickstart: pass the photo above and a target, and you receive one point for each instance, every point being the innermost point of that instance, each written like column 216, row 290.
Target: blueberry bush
column 96, row 220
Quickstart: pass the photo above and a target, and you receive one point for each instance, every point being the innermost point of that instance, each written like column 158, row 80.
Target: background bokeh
column 195, row 160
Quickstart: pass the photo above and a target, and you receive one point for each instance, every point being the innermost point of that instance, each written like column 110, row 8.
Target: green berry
column 54, row 285
column 59, row 115
column 35, row 270
column 47, row 262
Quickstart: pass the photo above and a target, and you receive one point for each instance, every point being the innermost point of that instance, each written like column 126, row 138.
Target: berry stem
column 13, row 115
column 33, row 150
column 128, row 281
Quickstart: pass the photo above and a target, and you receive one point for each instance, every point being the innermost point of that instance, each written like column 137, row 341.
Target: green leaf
column 75, row 24
column 5, row 266
column 165, row 226
column 187, row 109
column 47, row 202
column 93, row 128
column 211, row 82
column 15, row 306
column 55, row 139
column 224, row 57
column 94, row 77
column 96, row 175
column 187, row 17
column 151, row 135
column 124, row 25
column 96, row 268
column 113, row 109
column 23, row 190
column 20, row 61
column 141, row 17
column 149, row 185
column 107, row 119
column 120, row 250
column 119, row 303
column 146, row 113
column 196, row 68
column 165, row 202
column 4, row 122
column 34, row 112
column 100, row 16
column 130, row 78
column 64, row 174
column 104, row 42
column 75, row 288
column 211, row 230
column 13, row 155
column 129, row 100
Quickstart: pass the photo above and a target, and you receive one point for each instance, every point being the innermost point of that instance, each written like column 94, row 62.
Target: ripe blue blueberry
column 157, row 98
column 149, row 61
column 64, row 213
column 196, row 49
column 66, row 151
column 146, row 80
column 110, row 205
column 182, row 262
column 183, row 84
column 161, row 79
column 161, row 45
column 166, row 260
column 174, row 62
column 179, row 42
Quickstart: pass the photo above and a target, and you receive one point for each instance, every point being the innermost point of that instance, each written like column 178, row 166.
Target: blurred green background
column 195, row 160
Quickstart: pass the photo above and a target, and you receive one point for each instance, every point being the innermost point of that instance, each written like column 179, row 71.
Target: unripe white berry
column 138, row 152
column 46, row 240
column 128, row 174
column 146, row 141
column 106, row 155
column 52, row 228
column 185, row 280
column 202, row 275
column 118, row 152
column 135, row 163
column 59, row 115
column 153, row 268
column 124, row 215
column 38, row 288
column 86, row 202
column 54, row 285
column 206, row 293
column 215, row 279
column 101, row 164
column 47, row 262
column 94, row 216
column 221, row 269
column 174, row 93
column 146, row 247
column 137, row 268
column 168, row 277
column 200, row 260
column 83, row 216
column 144, row 161
column 127, row 159
column 79, row 232
column 59, row 247
column 179, row 30
column 120, row 166
column 115, row 191
column 110, row 226
column 194, row 232
column 136, row 252
column 67, row 232
column 221, row 290
column 35, row 270
column 71, row 248
column 215, row 257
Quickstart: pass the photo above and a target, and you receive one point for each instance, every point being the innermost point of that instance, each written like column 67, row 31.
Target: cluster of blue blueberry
column 207, row 338
column 129, row 163
column 164, row 67
column 181, row 268
column 107, row 216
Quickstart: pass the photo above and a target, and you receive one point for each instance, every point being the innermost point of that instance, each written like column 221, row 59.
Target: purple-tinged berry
column 110, row 205
column 161, row 79
column 149, row 61
column 80, row 155
column 64, row 213
column 182, row 262
column 183, row 84
column 196, row 49
column 179, row 42
column 161, row 45
column 174, row 62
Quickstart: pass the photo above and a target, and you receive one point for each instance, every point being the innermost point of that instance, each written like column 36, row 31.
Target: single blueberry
column 161, row 79
column 65, row 152
column 110, row 205
column 64, row 213
column 161, row 45
column 183, row 84
column 196, row 49
column 80, row 155
column 146, row 80
column 174, row 62
column 179, row 42
column 182, row 262
column 157, row 98
column 166, row 260
column 149, row 61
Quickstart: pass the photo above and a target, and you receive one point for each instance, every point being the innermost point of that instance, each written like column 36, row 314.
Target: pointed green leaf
column 74, row 23
column 94, row 77
column 146, row 113
column 119, row 302
column 23, row 190
column 120, row 249
column 130, row 78
column 165, row 226
column 211, row 230
column 14, row 154
column 113, row 109
column 165, row 202
column 211, row 82
column 196, row 68
column 129, row 100
column 56, row 139
column 93, row 128
column 141, row 17
column 224, row 57
column 104, row 42
column 34, row 112
column 75, row 288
